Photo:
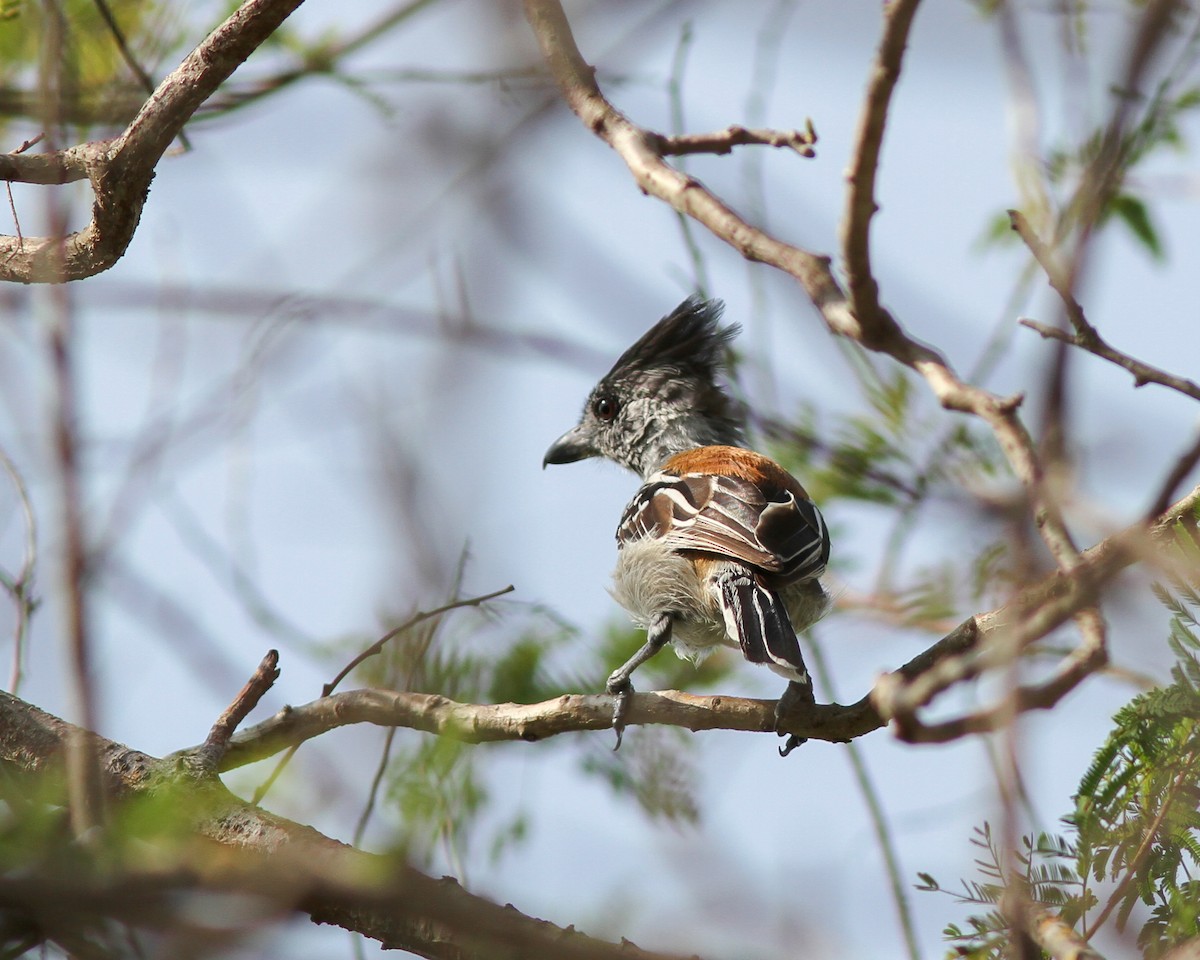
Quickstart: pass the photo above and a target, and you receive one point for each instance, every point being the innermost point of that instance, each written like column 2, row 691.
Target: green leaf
column 1134, row 214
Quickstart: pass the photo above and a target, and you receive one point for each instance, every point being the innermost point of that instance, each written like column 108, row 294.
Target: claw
column 620, row 688
column 793, row 742
column 795, row 697
column 621, row 706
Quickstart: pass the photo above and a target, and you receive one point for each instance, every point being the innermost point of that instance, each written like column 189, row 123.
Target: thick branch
column 484, row 723
column 121, row 169
column 284, row 865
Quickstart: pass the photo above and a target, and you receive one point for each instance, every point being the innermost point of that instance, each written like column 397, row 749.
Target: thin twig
column 20, row 587
column 1183, row 466
column 364, row 818
column 143, row 77
column 408, row 624
column 1086, row 336
column 1143, row 373
column 675, row 97
column 217, row 742
column 83, row 777
column 1059, row 278
column 12, row 206
column 723, row 141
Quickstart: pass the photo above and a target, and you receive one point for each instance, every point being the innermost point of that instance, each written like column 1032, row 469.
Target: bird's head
column 661, row 397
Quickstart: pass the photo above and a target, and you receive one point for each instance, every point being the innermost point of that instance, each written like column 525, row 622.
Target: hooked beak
column 573, row 445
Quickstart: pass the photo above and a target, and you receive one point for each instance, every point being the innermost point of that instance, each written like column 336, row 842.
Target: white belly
column 651, row 579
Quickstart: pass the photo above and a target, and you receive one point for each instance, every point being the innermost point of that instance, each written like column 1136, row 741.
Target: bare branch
column 489, row 723
column 723, row 141
column 1086, row 336
column 217, row 742
column 860, row 199
column 1183, row 466
column 121, row 169
column 1077, row 666
column 963, row 653
column 638, row 148
column 1059, row 277
column 1143, row 373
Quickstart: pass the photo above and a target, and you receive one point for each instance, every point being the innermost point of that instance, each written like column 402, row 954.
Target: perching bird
column 721, row 545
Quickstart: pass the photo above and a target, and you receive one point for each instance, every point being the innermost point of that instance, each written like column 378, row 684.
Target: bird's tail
column 758, row 619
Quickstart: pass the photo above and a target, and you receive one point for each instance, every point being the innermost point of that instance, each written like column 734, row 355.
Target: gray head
column 661, row 397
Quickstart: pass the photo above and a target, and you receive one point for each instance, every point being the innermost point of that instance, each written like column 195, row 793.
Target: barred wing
column 769, row 529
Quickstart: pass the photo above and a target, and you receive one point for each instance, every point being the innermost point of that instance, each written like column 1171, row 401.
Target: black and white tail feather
column 757, row 618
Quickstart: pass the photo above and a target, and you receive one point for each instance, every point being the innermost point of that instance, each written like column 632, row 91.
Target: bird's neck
column 685, row 433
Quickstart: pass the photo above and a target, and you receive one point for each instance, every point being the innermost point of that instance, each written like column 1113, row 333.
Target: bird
column 721, row 546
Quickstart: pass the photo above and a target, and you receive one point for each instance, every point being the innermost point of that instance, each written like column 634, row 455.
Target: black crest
column 687, row 342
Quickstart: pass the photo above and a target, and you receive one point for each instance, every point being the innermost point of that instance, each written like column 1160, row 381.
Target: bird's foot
column 621, row 688
column 796, row 699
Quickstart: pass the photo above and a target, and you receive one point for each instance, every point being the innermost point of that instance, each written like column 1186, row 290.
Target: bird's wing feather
column 771, row 531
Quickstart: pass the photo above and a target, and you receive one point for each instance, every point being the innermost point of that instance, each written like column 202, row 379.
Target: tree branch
column 861, row 205
column 217, row 742
column 420, row 617
column 723, row 141
column 963, row 653
column 1086, row 336
column 121, row 169
column 285, row 865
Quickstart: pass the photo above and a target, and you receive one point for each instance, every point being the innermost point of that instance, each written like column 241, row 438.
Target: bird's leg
column 795, row 698
column 619, row 684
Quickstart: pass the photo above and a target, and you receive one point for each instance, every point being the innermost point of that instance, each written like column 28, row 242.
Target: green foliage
column 1070, row 173
column 1135, row 829
column 1043, row 868
column 1132, row 211
column 1136, row 813
column 437, row 786
column 98, row 87
column 869, row 456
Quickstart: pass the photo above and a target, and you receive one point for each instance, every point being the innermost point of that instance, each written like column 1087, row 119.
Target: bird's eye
column 605, row 408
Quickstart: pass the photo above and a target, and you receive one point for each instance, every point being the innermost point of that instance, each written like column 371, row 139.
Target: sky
column 284, row 320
